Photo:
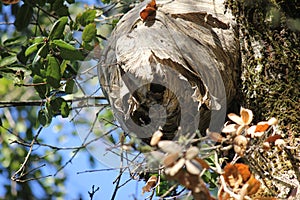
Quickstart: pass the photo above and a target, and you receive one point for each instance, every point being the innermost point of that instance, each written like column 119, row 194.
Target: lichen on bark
column 270, row 46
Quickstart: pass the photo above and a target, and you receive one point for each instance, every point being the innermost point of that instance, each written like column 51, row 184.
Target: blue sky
column 82, row 183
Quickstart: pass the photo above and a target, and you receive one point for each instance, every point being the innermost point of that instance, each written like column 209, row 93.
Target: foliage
column 42, row 44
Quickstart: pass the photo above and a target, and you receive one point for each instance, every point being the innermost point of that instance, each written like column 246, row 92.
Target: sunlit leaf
column 8, row 60
column 63, row 45
column 31, row 49
column 235, row 118
column 64, row 108
column 58, row 28
column 169, row 146
column 89, row 33
column 178, row 165
column 86, row 17
column 15, row 41
column 246, row 115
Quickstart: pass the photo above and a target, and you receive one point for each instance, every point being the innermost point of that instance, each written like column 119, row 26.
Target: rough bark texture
column 176, row 68
column 270, row 46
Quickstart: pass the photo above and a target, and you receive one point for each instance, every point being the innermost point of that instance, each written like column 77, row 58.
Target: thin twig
column 117, row 181
column 93, row 192
column 22, row 168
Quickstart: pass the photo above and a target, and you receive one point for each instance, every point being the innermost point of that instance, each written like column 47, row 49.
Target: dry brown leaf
column 169, row 146
column 178, row 165
column 230, row 128
column 150, row 184
column 149, row 10
column 240, row 144
column 246, row 115
column 253, row 185
column 272, row 121
column 156, row 138
column 235, row 118
column 202, row 162
column 214, row 136
column 273, row 138
column 191, row 153
column 193, row 167
column 170, row 159
column 261, row 127
column 243, row 170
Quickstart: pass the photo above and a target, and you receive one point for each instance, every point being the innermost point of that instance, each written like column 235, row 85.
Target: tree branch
column 4, row 104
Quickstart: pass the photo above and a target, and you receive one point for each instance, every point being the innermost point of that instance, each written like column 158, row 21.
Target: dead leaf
column 149, row 10
column 246, row 115
column 253, row 185
column 273, row 138
column 150, row 184
column 261, row 127
column 156, row 138
column 191, row 153
column 272, row 121
column 170, row 159
column 214, row 136
column 202, row 162
column 193, row 167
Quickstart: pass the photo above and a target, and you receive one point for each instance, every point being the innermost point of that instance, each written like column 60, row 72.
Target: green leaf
column 8, row 60
column 21, row 55
column 63, row 66
column 59, row 106
column 89, row 33
column 59, row 8
column 43, row 117
column 58, row 28
column 62, row 11
column 65, row 110
column 88, row 46
column 41, row 2
column 70, row 87
column 15, row 41
column 23, row 17
column 57, row 4
column 43, row 51
column 31, row 49
column 37, row 39
column 87, row 17
column 71, row 1
column 41, row 89
column 71, row 55
column 53, row 72
column 64, row 45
